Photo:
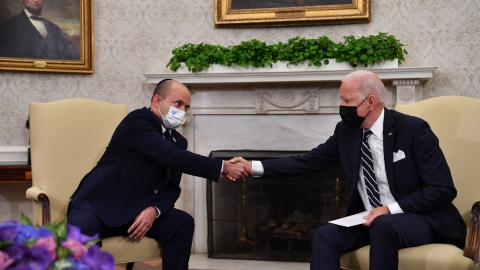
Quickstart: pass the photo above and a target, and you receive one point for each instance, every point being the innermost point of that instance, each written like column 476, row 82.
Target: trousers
column 173, row 230
column 385, row 235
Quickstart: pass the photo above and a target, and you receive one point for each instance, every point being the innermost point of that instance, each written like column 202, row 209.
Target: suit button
column 155, row 191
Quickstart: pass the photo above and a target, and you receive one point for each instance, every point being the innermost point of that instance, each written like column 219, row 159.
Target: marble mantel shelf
column 400, row 76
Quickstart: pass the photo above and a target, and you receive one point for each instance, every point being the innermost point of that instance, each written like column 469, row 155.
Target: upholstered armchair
column 455, row 120
column 67, row 138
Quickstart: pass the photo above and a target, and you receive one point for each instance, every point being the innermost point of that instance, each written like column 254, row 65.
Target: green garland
column 365, row 51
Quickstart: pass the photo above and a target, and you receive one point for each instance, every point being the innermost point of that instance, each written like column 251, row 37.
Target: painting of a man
column 250, row 4
column 28, row 34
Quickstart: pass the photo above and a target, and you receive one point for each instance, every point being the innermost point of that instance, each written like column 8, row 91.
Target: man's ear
column 372, row 100
column 155, row 101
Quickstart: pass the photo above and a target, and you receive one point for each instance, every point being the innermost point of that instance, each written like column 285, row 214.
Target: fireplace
column 270, row 218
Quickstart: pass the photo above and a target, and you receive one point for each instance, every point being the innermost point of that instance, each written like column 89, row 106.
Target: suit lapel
column 179, row 140
column 389, row 134
column 31, row 30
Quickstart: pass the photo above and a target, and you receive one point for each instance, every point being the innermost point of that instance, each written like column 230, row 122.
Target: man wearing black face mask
column 394, row 169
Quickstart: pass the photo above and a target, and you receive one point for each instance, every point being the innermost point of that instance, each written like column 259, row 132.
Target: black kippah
column 162, row 81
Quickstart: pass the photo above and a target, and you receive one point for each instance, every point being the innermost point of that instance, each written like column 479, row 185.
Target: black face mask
column 350, row 117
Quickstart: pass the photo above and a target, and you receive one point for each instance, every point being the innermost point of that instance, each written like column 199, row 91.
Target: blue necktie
column 368, row 172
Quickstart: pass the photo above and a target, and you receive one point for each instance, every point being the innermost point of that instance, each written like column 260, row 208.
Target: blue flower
column 98, row 260
column 43, row 232
column 8, row 230
column 24, row 258
column 25, row 233
column 25, row 247
column 16, row 252
column 74, row 232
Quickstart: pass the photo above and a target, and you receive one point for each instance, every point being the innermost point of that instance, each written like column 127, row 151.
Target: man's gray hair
column 369, row 83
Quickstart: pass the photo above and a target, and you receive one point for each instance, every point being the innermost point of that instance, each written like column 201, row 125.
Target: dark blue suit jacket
column 19, row 38
column 420, row 183
column 139, row 168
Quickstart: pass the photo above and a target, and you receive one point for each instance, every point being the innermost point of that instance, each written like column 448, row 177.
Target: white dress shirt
column 38, row 24
column 376, row 146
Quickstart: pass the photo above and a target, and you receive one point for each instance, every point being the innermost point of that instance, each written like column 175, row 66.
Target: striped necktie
column 368, row 172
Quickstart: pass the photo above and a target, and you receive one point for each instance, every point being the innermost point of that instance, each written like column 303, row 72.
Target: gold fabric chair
column 67, row 138
column 455, row 121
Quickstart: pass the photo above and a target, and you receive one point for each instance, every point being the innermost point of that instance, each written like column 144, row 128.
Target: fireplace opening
column 270, row 218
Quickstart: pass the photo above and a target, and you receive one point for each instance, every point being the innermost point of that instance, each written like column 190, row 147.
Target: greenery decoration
column 365, row 50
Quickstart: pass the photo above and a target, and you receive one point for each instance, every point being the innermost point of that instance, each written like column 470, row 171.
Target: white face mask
column 174, row 117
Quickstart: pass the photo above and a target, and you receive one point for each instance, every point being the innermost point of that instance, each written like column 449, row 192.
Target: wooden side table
column 15, row 173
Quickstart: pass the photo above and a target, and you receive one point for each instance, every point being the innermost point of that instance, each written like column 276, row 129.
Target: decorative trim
column 13, row 155
column 286, row 100
column 263, row 86
column 405, row 82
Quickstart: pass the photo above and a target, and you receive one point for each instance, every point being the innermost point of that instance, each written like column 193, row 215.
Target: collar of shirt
column 377, row 127
column 28, row 13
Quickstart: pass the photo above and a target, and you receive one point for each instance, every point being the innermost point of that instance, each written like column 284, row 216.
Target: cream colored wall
column 134, row 37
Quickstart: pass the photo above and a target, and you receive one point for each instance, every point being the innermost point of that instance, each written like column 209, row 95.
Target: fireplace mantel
column 403, row 73
column 407, row 81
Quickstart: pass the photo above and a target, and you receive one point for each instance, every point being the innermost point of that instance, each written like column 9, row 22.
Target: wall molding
column 14, row 155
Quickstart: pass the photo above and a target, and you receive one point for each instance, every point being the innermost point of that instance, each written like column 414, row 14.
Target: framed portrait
column 290, row 12
column 46, row 36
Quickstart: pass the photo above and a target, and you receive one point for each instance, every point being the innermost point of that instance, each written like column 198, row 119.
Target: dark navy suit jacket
column 140, row 168
column 420, row 183
column 19, row 38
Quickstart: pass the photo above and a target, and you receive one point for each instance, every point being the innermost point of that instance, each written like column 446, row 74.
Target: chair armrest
column 473, row 239
column 36, row 194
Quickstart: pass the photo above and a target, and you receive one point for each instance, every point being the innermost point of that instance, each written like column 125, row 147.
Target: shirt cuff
column 257, row 168
column 158, row 211
column 221, row 170
column 394, row 208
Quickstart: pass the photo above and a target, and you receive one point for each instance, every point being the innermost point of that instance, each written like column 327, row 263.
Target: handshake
column 236, row 168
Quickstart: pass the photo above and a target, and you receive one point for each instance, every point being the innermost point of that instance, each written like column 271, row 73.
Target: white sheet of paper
column 350, row 221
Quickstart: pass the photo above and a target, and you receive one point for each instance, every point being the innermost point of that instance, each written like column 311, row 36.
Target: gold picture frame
column 290, row 12
column 64, row 44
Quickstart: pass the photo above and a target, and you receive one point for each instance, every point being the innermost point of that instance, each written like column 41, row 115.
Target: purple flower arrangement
column 54, row 247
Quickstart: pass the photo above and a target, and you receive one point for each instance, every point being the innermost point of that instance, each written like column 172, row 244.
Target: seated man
column 133, row 188
column 393, row 167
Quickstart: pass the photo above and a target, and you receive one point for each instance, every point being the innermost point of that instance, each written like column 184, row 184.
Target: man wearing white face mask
column 133, row 188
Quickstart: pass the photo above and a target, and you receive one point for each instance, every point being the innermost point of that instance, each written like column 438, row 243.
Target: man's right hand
column 237, row 168
column 143, row 222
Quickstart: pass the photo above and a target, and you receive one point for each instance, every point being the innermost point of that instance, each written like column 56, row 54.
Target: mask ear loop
column 361, row 105
column 159, row 111
column 158, row 85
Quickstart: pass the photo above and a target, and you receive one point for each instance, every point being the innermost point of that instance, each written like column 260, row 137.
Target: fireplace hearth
column 270, row 218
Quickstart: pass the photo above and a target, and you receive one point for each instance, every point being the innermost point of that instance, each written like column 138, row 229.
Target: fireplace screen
column 270, row 218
